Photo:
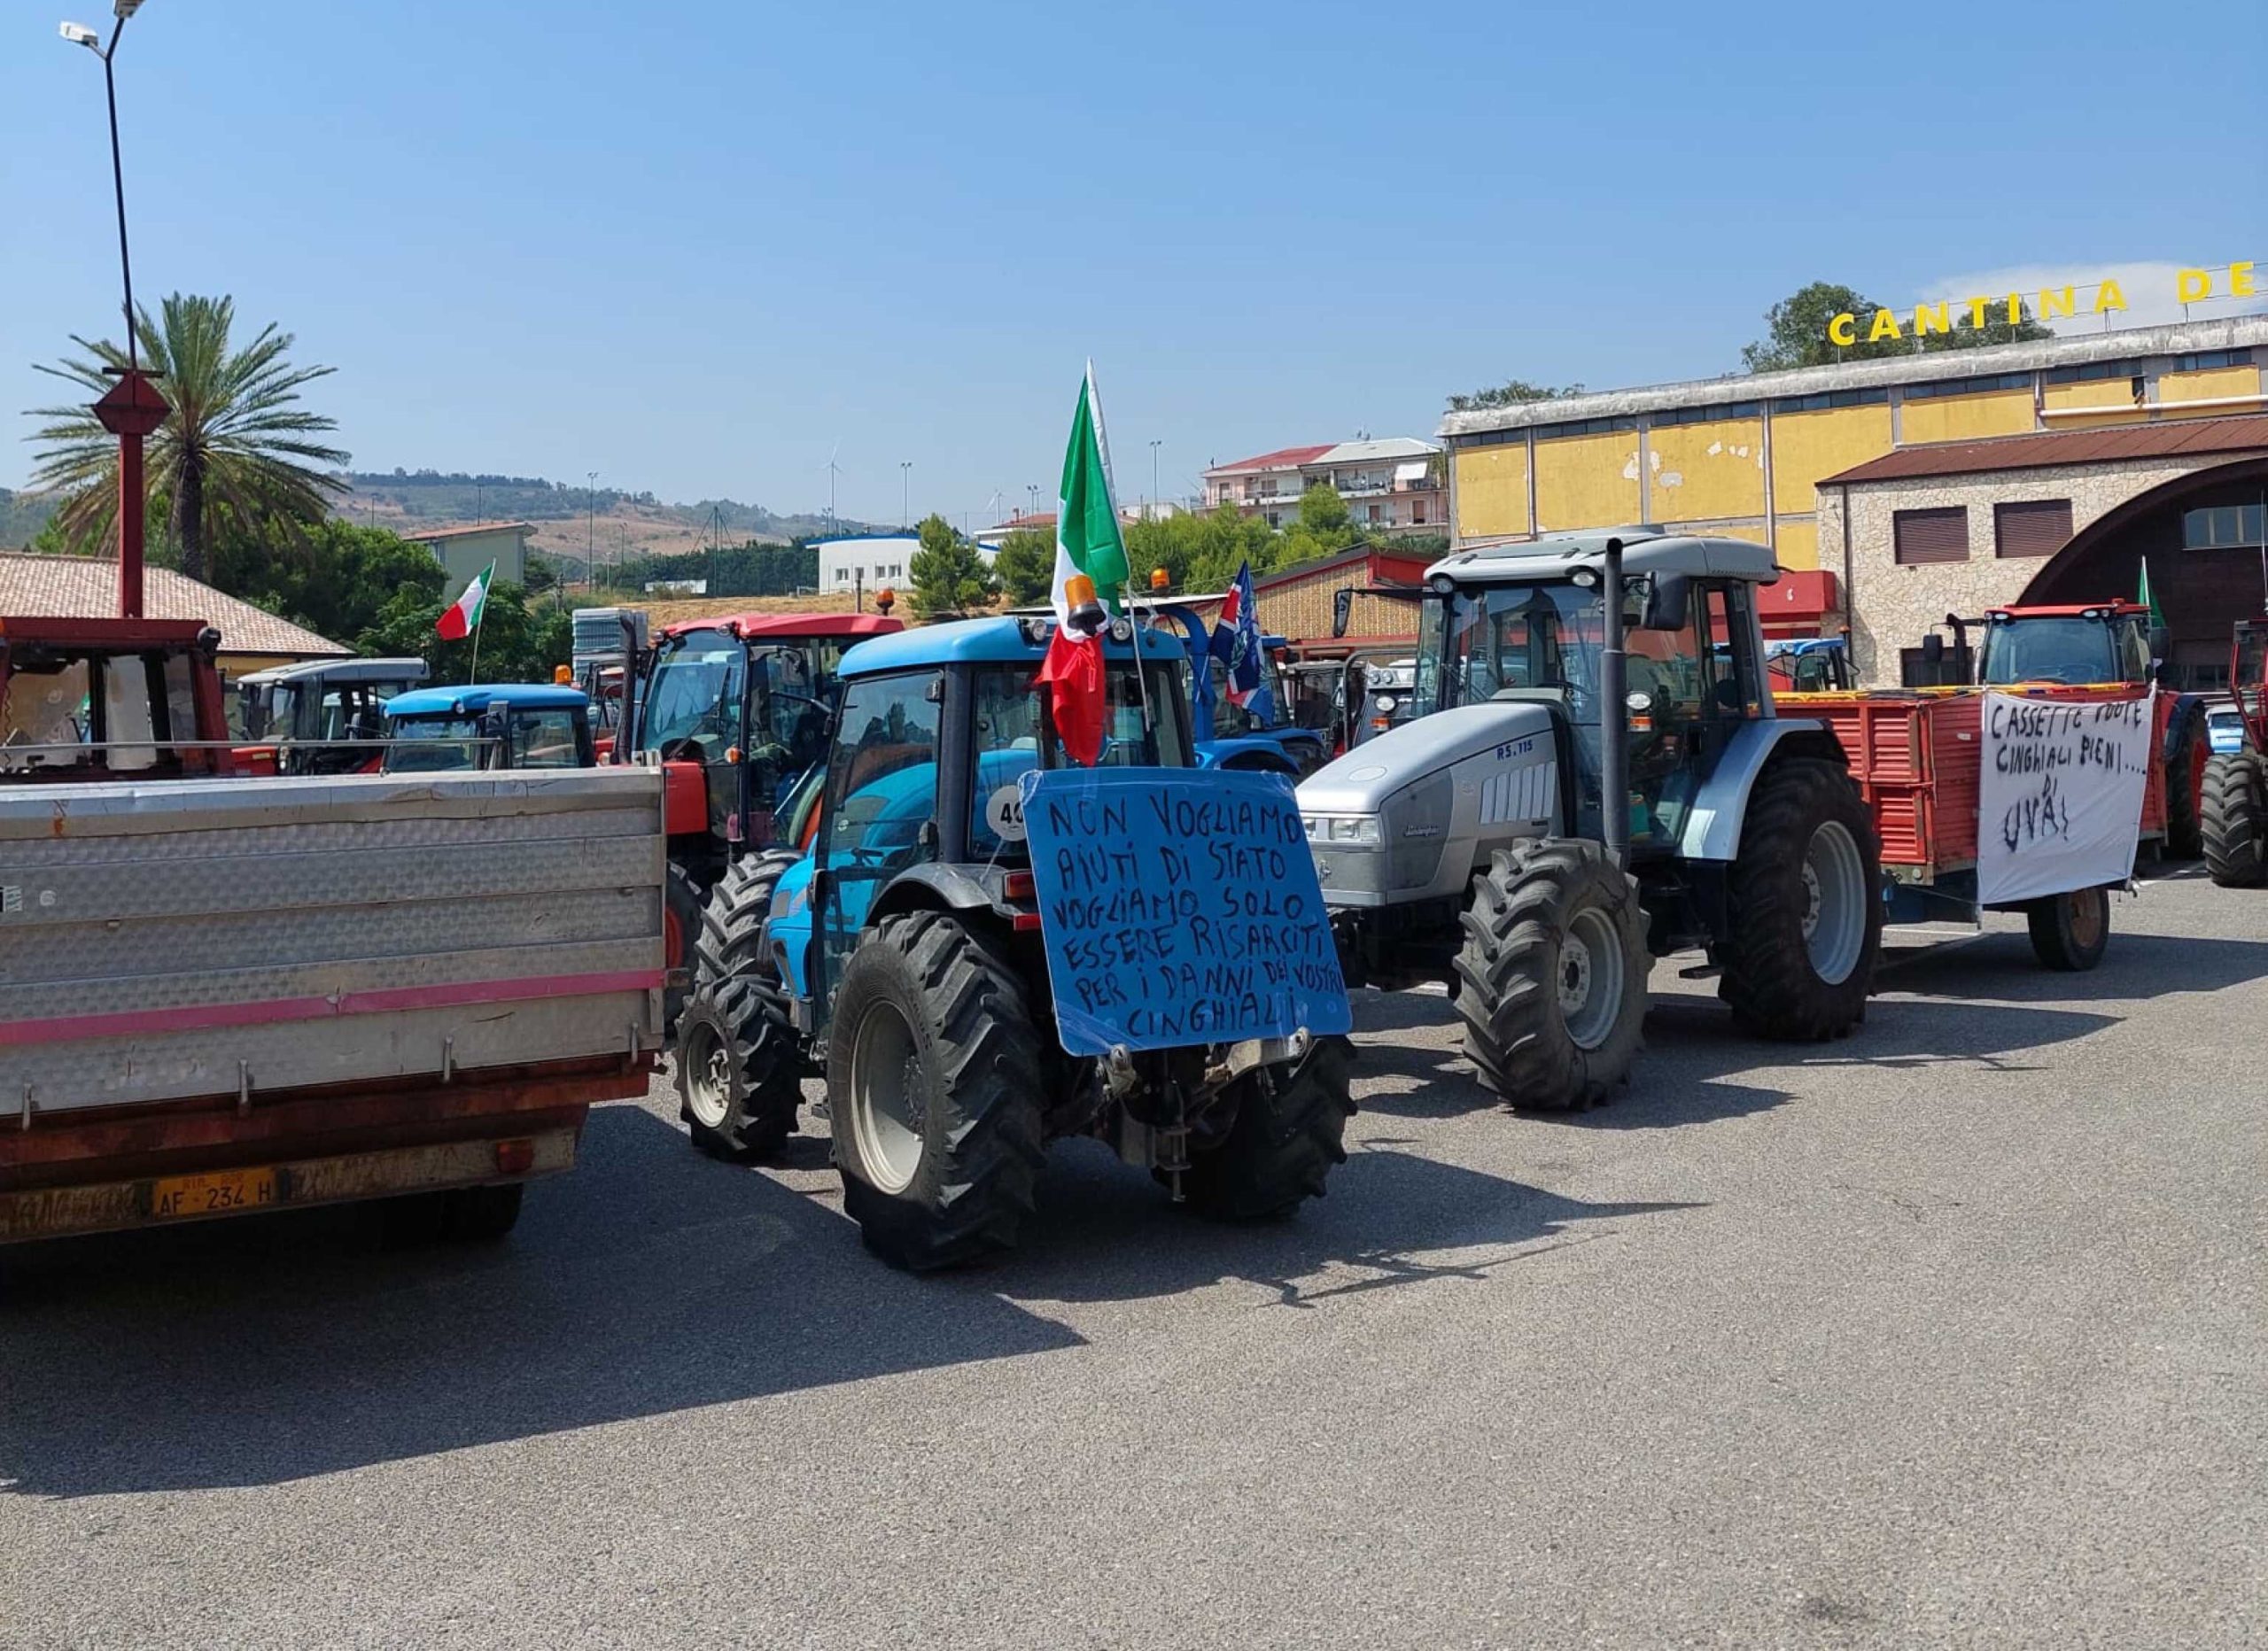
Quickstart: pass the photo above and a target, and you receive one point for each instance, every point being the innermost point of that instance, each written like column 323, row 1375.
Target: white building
column 865, row 561
column 1389, row 484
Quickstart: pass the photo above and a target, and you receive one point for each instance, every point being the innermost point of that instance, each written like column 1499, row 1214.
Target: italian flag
column 459, row 618
column 1089, row 567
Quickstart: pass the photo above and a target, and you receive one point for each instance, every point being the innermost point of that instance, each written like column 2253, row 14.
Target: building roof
column 83, row 587
column 2065, row 350
column 470, row 700
column 2174, row 438
column 901, row 537
column 1383, row 448
column 468, row 530
column 1282, row 459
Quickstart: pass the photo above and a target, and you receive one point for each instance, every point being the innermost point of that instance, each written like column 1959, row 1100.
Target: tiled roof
column 2175, row 438
column 1282, row 459
column 84, row 587
column 467, row 529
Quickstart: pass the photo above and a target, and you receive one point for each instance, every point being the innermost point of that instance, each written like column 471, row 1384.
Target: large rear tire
column 2235, row 820
column 933, row 1081
column 2071, row 932
column 682, row 904
column 739, row 1071
column 1289, row 1129
column 2186, row 764
column 1550, row 982
column 1803, row 906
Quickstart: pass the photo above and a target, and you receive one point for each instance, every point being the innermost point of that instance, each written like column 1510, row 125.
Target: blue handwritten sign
column 1178, row 906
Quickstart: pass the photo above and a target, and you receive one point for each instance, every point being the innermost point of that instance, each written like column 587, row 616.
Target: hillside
column 22, row 516
column 620, row 523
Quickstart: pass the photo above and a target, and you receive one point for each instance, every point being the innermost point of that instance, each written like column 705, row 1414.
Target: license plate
column 221, row 1193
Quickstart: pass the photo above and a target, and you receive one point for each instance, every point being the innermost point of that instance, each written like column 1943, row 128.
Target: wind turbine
column 833, row 470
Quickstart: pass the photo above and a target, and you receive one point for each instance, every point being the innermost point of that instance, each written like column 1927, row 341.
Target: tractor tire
column 2185, row 767
column 681, row 905
column 1289, row 1128
column 2069, row 932
column 739, row 1071
column 2235, row 825
column 481, row 1214
column 1550, row 982
column 1803, row 906
column 933, row 1082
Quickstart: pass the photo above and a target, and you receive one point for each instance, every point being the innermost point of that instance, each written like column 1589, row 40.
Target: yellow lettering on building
column 2053, row 302
column 2108, row 298
column 1929, row 318
column 1840, row 331
column 1977, row 314
column 2191, row 285
column 2016, row 309
column 1886, row 326
column 2240, row 280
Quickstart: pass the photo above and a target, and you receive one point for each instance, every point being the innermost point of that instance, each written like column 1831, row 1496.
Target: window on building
column 2034, row 527
column 2219, row 525
column 1968, row 386
column 1920, row 536
column 1374, row 513
column 1274, row 518
column 1418, row 512
column 2205, row 360
column 2089, row 371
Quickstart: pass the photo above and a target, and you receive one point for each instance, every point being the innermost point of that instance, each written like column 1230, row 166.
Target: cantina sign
column 2190, row 286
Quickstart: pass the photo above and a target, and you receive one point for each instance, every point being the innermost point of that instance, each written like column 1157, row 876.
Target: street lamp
column 1155, row 445
column 590, row 509
column 132, row 409
column 904, row 494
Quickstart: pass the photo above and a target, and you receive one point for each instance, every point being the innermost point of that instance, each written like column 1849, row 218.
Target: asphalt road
column 1949, row 1334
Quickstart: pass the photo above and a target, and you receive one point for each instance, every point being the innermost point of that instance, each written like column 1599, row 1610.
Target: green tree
column 340, row 580
column 236, row 449
column 1796, row 331
column 1025, row 565
column 1510, row 393
column 517, row 643
column 948, row 572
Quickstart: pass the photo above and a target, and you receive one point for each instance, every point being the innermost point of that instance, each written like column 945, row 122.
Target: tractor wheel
column 1286, row 1136
column 2069, row 932
column 933, row 1081
column 680, row 925
column 1551, row 980
column 2186, row 766
column 1803, row 906
column 739, row 1073
column 2236, row 820
column 481, row 1214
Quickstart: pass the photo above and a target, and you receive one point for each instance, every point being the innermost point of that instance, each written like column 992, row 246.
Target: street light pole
column 1155, row 445
column 904, row 494
column 590, row 514
column 132, row 410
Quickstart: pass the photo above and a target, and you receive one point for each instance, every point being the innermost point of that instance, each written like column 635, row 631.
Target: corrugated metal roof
column 2243, row 434
column 84, row 587
column 1380, row 448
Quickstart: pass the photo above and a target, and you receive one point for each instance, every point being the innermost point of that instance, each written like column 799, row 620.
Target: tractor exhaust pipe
column 1614, row 714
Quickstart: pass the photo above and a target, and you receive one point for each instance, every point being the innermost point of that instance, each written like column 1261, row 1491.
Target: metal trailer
column 220, row 996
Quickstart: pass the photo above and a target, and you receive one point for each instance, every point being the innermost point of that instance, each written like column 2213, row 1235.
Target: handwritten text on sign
column 2061, row 798
column 1178, row 906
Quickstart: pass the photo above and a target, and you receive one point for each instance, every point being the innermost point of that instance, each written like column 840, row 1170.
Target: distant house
column 83, row 587
column 1391, row 485
column 464, row 551
column 870, row 561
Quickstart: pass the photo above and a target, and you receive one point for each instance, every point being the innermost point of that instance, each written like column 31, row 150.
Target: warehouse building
column 2092, row 445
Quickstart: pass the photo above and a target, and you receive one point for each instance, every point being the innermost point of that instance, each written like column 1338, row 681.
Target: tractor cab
column 513, row 725
column 110, row 699
column 2100, row 642
column 1818, row 664
column 1525, row 625
column 311, row 719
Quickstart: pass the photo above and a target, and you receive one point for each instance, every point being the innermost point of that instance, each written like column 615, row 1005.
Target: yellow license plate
column 221, row 1193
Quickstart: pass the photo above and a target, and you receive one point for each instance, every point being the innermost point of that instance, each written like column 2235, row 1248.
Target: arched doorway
column 2202, row 536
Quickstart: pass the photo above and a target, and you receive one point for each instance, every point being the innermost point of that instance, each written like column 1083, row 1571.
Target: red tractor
column 735, row 711
column 2047, row 650
column 110, row 699
column 2236, row 782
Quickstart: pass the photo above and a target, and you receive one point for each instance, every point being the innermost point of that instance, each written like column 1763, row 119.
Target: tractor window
column 882, row 783
column 438, row 745
column 546, row 739
column 695, row 695
column 1012, row 739
column 48, row 705
column 2051, row 648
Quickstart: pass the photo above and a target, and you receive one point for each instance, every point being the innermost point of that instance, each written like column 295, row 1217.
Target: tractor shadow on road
column 2135, row 969
column 1107, row 1233
column 267, row 1349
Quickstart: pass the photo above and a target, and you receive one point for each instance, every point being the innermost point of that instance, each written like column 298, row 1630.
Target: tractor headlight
column 1360, row 831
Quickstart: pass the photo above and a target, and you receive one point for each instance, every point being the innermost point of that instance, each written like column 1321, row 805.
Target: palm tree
column 237, row 450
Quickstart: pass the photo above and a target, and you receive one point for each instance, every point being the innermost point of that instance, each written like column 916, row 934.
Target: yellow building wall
column 1700, row 470
column 2213, row 382
column 1580, row 481
column 1796, row 543
column 1491, row 490
column 1964, row 418
column 1807, row 448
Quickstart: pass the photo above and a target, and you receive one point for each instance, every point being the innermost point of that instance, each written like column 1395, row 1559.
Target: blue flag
column 1235, row 643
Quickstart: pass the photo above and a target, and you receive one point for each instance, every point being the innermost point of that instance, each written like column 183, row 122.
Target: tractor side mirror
column 1342, row 608
column 1933, row 650
column 1668, row 604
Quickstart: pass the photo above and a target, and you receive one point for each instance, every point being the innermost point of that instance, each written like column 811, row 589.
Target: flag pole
column 1126, row 585
column 479, row 620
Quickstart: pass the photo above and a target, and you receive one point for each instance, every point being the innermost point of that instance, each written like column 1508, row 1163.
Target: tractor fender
column 930, row 889
column 684, row 799
column 1246, row 751
column 1712, row 828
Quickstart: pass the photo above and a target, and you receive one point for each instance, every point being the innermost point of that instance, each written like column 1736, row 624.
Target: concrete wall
column 1892, row 607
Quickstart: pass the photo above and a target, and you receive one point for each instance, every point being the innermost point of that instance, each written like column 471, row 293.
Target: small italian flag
column 1090, row 558
column 460, row 618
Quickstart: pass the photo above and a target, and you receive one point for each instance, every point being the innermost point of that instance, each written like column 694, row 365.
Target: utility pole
column 590, row 516
column 1155, row 445
column 904, row 493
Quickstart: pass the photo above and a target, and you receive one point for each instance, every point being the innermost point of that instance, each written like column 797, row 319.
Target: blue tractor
column 1228, row 735
column 509, row 724
column 900, row 955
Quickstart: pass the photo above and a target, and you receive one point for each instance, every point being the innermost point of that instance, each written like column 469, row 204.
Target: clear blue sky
column 694, row 248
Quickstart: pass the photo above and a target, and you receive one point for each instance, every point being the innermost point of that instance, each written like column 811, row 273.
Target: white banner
column 2060, row 794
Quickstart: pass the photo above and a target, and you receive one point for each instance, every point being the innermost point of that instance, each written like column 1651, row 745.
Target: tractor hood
column 1361, row 781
